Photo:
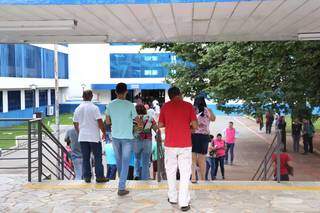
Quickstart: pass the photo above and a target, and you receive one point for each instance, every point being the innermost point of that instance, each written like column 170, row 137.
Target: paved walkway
column 306, row 166
column 63, row 196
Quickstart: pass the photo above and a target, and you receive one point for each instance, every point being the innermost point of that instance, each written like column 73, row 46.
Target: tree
column 263, row 75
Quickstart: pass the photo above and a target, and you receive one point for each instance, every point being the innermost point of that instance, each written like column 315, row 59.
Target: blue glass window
column 14, row 100
column 140, row 65
column 63, row 65
column 29, row 98
column 43, row 98
column 27, row 61
column 53, row 98
column 1, row 102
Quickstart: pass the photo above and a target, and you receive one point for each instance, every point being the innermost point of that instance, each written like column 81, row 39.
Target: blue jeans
column 230, row 148
column 111, row 171
column 77, row 165
column 219, row 160
column 210, row 164
column 96, row 149
column 122, row 150
column 142, row 153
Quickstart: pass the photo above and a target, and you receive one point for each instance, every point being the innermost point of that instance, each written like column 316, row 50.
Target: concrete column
column 37, row 98
column 5, row 101
column 22, row 100
column 49, row 97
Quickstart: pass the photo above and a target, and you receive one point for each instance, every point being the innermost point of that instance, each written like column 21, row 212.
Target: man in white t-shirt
column 88, row 122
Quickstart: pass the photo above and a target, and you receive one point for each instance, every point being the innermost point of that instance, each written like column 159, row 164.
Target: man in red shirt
column 178, row 117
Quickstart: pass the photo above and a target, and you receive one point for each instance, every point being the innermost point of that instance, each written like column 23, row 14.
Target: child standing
column 111, row 161
column 219, row 148
column 210, row 159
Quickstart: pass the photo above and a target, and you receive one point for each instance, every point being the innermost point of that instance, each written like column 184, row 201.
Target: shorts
column 200, row 143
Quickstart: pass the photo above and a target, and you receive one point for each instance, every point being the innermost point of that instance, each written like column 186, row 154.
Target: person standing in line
column 201, row 138
column 88, row 122
column 259, row 121
column 142, row 144
column 219, row 148
column 111, row 161
column 120, row 114
column 296, row 128
column 282, row 127
column 307, row 135
column 230, row 135
column 178, row 117
column 268, row 122
column 271, row 121
column 71, row 138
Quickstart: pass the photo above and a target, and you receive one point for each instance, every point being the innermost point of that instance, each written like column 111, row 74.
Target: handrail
column 262, row 173
column 266, row 155
column 40, row 154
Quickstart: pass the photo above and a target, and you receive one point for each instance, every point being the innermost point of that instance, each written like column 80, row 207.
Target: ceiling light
column 309, row 36
column 49, row 25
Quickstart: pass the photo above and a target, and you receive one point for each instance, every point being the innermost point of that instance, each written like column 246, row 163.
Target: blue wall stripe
column 79, row 2
column 105, row 87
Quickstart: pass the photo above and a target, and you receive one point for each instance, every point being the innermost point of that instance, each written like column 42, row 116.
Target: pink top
column 219, row 146
column 230, row 135
column 203, row 122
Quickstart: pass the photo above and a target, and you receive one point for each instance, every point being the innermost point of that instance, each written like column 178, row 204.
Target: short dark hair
column 230, row 122
column 87, row 95
column 121, row 88
column 173, row 92
column 219, row 135
column 141, row 110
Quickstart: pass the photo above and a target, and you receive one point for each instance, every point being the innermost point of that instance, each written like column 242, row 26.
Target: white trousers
column 182, row 158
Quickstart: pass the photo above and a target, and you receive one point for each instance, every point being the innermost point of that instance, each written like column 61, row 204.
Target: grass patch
column 11, row 133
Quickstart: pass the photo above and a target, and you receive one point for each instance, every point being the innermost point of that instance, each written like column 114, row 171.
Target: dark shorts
column 200, row 143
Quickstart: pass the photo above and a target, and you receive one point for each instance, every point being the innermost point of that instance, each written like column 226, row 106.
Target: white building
column 27, row 78
column 101, row 66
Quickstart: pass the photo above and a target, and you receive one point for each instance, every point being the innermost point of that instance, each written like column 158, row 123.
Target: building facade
column 144, row 71
column 27, row 79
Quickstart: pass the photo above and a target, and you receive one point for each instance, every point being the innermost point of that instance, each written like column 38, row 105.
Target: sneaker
column 223, row 178
column 123, row 192
column 102, row 180
column 185, row 208
column 87, row 180
column 136, row 178
column 172, row 203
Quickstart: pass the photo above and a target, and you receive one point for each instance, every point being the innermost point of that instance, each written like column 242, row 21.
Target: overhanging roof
column 161, row 20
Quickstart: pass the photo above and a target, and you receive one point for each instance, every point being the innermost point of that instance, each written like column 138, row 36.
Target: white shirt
column 87, row 114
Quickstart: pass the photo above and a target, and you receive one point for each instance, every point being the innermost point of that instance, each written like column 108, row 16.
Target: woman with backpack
column 201, row 138
column 142, row 145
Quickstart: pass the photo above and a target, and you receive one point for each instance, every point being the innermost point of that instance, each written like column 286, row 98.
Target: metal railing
column 44, row 153
column 266, row 168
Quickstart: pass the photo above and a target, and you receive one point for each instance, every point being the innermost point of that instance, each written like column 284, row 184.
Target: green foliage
column 262, row 75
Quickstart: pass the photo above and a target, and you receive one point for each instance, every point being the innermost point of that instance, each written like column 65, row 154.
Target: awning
column 94, row 21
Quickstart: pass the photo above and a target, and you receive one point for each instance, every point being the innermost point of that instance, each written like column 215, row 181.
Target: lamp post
column 33, row 87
